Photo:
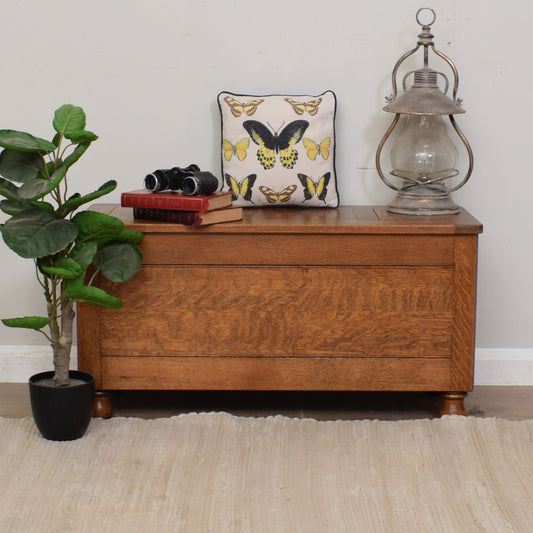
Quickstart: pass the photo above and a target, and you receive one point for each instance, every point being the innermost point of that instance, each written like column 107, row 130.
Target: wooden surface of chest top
column 344, row 219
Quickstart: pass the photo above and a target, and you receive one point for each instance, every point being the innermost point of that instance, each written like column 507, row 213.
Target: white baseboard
column 494, row 366
column 19, row 362
column 504, row 366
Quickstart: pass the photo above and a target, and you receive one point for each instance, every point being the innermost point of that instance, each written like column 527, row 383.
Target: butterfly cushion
column 279, row 150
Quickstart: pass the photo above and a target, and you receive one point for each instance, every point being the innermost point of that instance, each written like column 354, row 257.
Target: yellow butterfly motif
column 274, row 197
column 312, row 188
column 300, row 108
column 241, row 188
column 238, row 108
column 238, row 149
column 313, row 149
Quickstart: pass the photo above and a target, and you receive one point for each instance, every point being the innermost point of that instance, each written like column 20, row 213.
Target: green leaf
column 69, row 119
column 118, row 261
column 50, row 168
column 76, row 154
column 130, row 235
column 84, row 254
column 24, row 142
column 82, row 136
column 37, row 188
column 76, row 290
column 37, row 233
column 97, row 227
column 33, row 189
column 31, row 322
column 76, row 201
column 20, row 166
column 9, row 190
column 64, row 267
column 13, row 207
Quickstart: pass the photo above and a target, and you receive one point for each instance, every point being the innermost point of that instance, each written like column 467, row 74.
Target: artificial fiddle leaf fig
column 40, row 228
column 118, row 261
column 37, row 233
column 20, row 166
column 24, row 142
column 31, row 322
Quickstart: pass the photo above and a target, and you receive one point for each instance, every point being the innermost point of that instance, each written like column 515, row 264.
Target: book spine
column 188, row 218
column 154, row 201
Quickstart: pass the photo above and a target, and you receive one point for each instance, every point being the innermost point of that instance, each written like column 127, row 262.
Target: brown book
column 175, row 201
column 189, row 218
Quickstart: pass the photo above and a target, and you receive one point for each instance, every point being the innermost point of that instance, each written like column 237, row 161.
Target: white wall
column 147, row 75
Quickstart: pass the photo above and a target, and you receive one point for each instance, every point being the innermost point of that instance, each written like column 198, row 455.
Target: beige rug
column 215, row 472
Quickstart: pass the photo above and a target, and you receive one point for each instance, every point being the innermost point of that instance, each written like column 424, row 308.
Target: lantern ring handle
column 425, row 9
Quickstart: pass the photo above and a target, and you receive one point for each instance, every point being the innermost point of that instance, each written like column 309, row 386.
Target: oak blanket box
column 347, row 299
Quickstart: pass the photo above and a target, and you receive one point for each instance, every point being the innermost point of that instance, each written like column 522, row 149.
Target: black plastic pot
column 62, row 413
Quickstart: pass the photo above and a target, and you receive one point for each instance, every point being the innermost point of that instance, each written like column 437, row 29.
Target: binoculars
column 189, row 180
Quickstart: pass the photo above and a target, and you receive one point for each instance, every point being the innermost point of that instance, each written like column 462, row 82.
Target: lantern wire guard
column 422, row 188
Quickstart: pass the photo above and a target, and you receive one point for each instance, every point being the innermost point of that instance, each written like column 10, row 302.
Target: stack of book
column 182, row 209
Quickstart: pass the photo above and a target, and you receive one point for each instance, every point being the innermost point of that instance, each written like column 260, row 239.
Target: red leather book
column 175, row 201
column 188, row 218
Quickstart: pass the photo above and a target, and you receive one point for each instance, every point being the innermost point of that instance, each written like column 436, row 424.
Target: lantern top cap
column 424, row 96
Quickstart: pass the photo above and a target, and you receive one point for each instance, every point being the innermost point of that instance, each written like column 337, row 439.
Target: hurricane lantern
column 423, row 155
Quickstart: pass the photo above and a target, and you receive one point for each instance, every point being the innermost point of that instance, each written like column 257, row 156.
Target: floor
column 513, row 403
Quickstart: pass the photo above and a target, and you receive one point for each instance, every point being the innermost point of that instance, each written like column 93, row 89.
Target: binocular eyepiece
column 189, row 180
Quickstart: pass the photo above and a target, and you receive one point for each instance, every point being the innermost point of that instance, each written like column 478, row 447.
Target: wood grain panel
column 89, row 347
column 295, row 311
column 279, row 373
column 267, row 249
column 464, row 320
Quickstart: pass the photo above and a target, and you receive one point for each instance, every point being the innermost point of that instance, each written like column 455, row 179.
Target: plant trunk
column 63, row 345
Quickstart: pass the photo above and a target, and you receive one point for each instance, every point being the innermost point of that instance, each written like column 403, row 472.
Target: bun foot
column 453, row 404
column 102, row 407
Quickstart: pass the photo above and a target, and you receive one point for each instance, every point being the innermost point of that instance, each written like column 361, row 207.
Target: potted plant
column 46, row 226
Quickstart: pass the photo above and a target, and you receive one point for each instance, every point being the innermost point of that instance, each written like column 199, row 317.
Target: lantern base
column 423, row 200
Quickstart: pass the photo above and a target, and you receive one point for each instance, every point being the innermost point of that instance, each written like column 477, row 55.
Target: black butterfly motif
column 271, row 144
column 317, row 188
column 241, row 188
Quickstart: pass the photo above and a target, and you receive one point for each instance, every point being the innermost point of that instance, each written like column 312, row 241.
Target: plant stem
column 62, row 343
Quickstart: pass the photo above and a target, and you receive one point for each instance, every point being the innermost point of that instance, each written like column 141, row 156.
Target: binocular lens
column 153, row 184
column 203, row 183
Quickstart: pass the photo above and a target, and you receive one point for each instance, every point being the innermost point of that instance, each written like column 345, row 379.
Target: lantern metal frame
column 424, row 196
